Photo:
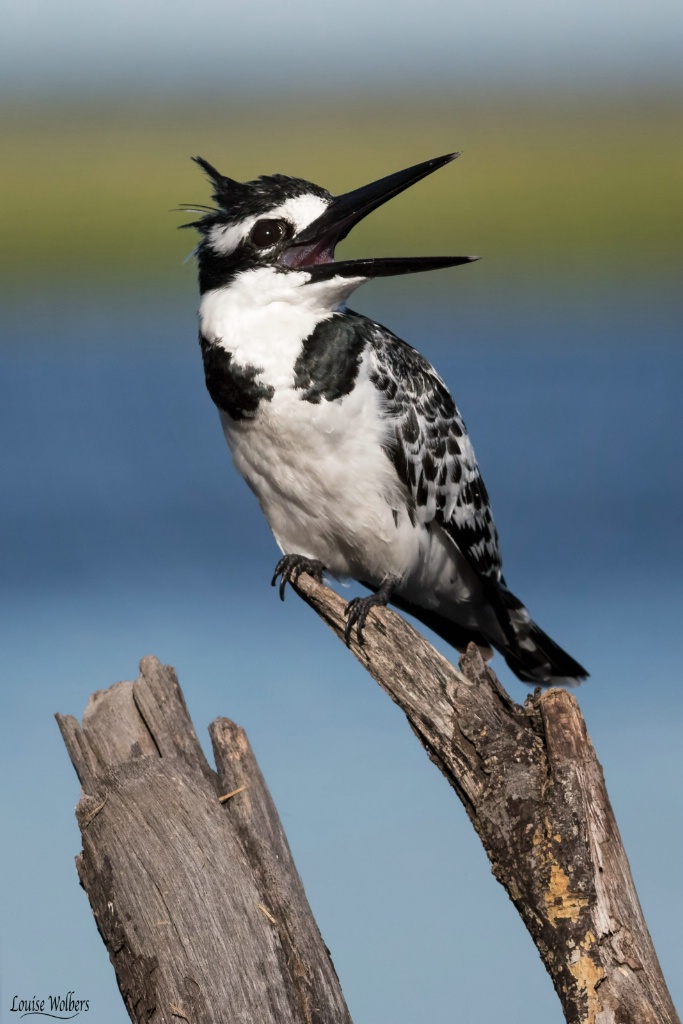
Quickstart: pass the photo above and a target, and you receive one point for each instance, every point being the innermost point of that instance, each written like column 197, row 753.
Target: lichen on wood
column 192, row 883
column 532, row 786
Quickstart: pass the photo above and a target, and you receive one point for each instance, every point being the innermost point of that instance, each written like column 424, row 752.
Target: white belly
column 330, row 492
column 324, row 483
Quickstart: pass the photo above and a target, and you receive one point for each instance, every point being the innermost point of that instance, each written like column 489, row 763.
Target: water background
column 125, row 531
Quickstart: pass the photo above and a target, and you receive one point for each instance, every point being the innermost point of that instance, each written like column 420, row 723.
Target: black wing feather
column 431, row 451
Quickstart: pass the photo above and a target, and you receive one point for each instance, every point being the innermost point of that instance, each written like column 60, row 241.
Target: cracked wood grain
column 533, row 788
column 198, row 902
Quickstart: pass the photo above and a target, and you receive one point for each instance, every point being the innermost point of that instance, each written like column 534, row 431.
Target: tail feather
column 531, row 654
column 455, row 635
column 542, row 661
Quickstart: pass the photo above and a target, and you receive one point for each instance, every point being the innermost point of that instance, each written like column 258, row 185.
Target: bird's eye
column 268, row 232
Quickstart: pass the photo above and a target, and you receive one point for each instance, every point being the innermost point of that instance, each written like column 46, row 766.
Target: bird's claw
column 359, row 608
column 356, row 613
column 290, row 567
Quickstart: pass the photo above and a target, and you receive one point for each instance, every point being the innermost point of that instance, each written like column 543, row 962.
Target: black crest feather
column 225, row 187
column 210, row 170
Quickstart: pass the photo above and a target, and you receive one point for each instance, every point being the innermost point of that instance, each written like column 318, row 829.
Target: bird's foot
column 290, row 567
column 358, row 609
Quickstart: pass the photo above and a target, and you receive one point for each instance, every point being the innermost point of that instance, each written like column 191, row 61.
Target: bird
column 346, row 434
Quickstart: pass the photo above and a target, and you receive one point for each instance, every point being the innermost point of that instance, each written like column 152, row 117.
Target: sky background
column 125, row 531
column 311, row 46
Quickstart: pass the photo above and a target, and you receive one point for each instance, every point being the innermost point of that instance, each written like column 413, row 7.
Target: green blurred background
column 570, row 182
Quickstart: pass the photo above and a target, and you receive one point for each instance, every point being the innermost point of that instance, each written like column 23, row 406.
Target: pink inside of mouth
column 309, row 255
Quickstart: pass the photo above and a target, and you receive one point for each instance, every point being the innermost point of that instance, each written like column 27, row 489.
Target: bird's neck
column 263, row 317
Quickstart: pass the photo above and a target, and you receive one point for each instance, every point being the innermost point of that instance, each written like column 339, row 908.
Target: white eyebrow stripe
column 299, row 211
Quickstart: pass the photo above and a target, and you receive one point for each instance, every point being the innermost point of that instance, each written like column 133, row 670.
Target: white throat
column 263, row 316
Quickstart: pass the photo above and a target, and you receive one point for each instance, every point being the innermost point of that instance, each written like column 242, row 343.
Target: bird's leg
column 290, row 567
column 358, row 609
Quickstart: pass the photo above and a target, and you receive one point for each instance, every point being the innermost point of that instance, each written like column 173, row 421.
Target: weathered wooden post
column 188, row 871
column 197, row 898
column 533, row 788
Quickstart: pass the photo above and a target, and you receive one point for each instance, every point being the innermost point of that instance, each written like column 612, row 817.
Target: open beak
column 313, row 248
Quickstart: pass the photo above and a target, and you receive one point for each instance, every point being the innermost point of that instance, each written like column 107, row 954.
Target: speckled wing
column 430, row 449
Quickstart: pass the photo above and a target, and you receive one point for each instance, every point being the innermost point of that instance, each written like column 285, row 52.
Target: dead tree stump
column 188, row 871
column 533, row 788
column 195, row 893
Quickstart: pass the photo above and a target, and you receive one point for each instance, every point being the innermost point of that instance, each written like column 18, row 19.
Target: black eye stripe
column 268, row 232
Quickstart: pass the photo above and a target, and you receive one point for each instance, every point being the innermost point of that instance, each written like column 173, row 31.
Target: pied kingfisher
column 347, row 436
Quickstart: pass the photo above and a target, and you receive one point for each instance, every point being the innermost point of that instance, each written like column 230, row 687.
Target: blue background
column 127, row 532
